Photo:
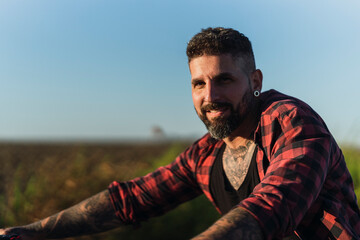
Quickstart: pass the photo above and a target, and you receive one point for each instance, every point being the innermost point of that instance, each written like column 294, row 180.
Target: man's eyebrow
column 196, row 80
column 223, row 75
column 217, row 77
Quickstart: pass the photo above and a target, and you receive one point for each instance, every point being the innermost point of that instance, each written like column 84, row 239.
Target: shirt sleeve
column 157, row 192
column 297, row 144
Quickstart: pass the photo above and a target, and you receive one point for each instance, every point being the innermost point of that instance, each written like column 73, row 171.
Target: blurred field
column 41, row 179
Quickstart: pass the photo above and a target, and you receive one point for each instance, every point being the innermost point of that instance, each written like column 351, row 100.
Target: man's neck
column 245, row 132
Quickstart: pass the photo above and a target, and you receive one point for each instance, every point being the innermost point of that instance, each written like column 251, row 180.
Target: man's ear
column 256, row 80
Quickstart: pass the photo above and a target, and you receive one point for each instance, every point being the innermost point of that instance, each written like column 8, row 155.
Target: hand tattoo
column 92, row 215
column 236, row 224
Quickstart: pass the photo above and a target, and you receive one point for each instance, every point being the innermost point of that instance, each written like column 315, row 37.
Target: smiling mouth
column 216, row 110
column 214, row 113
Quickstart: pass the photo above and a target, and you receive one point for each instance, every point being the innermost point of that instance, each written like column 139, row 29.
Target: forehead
column 212, row 65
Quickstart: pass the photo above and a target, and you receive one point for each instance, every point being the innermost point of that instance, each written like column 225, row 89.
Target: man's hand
column 236, row 224
column 22, row 232
column 92, row 215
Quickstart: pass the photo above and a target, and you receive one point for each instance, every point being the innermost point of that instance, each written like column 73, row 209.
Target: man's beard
column 222, row 127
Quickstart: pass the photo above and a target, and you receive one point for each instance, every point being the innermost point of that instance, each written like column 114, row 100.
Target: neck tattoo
column 236, row 163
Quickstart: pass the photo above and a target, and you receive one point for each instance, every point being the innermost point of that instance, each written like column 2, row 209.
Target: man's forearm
column 236, row 224
column 92, row 215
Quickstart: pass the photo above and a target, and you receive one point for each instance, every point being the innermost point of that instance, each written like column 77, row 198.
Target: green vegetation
column 352, row 157
column 39, row 180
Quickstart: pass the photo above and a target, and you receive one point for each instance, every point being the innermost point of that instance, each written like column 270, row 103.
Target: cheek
column 197, row 104
column 238, row 94
column 196, row 99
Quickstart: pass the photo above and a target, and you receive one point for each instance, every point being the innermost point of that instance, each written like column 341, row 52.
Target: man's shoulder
column 205, row 141
column 202, row 148
column 278, row 109
column 277, row 103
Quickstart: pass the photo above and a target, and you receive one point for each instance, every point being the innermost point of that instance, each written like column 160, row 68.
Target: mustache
column 215, row 106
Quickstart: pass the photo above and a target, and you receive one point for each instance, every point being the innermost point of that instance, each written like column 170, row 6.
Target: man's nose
column 211, row 93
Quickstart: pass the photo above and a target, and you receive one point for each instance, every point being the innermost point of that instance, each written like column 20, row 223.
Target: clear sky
column 114, row 69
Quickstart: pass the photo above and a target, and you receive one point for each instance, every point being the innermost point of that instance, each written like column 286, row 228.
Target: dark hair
column 217, row 41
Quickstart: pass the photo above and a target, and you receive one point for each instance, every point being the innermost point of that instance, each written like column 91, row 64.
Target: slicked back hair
column 218, row 41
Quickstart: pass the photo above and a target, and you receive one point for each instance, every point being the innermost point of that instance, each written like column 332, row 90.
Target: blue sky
column 114, row 69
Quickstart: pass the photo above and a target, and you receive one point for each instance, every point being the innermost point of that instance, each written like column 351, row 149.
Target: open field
column 41, row 179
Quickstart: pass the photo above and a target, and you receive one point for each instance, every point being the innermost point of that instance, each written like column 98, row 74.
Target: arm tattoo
column 236, row 224
column 92, row 215
column 236, row 163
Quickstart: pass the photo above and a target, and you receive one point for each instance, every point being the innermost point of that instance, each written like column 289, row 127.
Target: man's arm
column 236, row 224
column 93, row 215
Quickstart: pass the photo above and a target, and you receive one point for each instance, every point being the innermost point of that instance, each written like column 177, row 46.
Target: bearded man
column 268, row 164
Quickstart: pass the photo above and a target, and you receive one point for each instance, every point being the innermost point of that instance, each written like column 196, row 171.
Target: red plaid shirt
column 305, row 184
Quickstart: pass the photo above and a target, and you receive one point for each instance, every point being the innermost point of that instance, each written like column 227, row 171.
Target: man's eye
column 224, row 80
column 198, row 84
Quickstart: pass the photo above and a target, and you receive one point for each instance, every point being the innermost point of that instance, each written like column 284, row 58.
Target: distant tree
column 157, row 132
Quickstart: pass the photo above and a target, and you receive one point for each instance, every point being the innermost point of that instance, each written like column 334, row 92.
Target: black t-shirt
column 225, row 196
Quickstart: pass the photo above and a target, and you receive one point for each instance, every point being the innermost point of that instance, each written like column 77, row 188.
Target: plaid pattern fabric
column 305, row 184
